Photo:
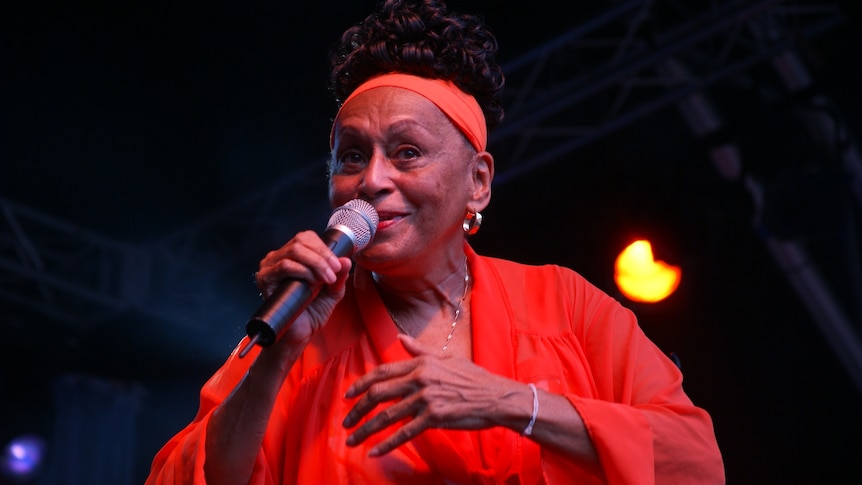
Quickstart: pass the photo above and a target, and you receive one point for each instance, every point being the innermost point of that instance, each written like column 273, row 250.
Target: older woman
column 421, row 361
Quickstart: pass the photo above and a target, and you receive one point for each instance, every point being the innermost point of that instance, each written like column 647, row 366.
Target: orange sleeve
column 644, row 427
column 577, row 341
column 180, row 461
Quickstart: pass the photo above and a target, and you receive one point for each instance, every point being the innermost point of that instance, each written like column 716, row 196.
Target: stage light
column 23, row 458
column 640, row 278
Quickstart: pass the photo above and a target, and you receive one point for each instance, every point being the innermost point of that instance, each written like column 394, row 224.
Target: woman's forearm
column 235, row 430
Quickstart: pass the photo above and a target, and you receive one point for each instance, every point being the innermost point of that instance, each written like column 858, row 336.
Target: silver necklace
column 457, row 310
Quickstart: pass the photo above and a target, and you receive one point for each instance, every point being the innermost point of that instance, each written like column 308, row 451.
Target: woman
column 421, row 361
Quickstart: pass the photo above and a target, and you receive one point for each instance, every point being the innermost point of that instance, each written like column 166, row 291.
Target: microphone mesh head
column 360, row 217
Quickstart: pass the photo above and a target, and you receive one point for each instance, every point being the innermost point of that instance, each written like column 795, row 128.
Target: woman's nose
column 377, row 176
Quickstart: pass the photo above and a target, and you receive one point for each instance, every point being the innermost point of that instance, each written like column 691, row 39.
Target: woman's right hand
column 305, row 257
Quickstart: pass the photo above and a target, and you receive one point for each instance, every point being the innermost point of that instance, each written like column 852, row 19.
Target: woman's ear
column 482, row 175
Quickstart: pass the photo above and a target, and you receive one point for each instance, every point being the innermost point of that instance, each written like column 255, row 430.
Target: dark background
column 152, row 154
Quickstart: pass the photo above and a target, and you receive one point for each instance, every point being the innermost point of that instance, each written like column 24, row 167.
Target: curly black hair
column 423, row 38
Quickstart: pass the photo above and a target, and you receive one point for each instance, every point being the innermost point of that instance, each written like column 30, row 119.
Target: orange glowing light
column 640, row 278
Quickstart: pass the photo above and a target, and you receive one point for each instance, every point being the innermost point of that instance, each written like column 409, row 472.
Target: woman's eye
column 349, row 162
column 408, row 153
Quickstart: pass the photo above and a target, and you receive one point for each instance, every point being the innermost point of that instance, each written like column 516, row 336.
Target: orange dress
column 540, row 324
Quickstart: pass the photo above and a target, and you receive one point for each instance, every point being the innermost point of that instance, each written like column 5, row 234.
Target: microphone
column 351, row 227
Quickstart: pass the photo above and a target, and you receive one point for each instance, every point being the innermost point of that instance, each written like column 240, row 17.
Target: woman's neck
column 444, row 284
column 429, row 307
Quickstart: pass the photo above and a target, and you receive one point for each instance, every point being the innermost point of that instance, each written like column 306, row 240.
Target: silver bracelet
column 529, row 429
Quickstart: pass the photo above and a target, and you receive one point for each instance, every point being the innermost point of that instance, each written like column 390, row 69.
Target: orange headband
column 461, row 108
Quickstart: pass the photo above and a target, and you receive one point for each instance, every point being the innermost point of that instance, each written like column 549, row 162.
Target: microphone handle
column 291, row 297
column 276, row 314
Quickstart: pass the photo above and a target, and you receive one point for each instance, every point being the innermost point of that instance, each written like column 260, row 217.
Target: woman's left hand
column 432, row 392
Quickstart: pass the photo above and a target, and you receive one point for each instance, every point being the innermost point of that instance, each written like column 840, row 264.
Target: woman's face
column 397, row 150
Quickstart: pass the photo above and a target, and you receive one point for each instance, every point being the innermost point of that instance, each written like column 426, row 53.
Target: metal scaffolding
column 634, row 59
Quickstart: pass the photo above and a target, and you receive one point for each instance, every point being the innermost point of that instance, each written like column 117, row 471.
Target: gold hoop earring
column 472, row 221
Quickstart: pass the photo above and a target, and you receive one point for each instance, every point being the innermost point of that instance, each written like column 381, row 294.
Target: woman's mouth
column 387, row 220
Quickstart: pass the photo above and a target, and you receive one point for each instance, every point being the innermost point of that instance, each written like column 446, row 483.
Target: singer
column 418, row 360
